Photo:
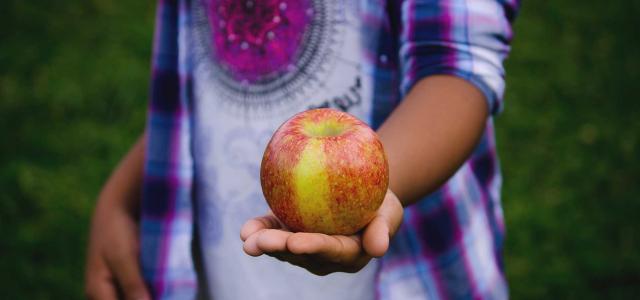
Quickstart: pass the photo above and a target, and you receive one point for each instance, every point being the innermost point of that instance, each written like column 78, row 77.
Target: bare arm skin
column 427, row 138
column 431, row 134
column 112, row 269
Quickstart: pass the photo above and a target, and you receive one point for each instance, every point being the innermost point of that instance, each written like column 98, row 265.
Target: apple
column 324, row 171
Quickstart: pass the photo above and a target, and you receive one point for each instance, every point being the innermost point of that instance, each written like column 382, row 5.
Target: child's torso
column 256, row 63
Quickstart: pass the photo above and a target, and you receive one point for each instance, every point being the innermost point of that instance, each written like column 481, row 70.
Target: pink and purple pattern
column 255, row 40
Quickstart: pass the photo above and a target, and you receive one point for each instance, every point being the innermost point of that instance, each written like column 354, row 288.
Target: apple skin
column 324, row 171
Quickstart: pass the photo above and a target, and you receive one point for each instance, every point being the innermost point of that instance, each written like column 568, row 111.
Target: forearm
column 123, row 188
column 431, row 133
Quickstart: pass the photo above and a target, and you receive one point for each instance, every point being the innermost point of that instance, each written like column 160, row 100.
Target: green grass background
column 73, row 89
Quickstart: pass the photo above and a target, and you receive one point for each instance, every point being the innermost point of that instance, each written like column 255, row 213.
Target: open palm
column 322, row 254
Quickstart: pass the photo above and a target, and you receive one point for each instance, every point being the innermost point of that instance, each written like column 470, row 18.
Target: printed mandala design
column 258, row 39
column 261, row 54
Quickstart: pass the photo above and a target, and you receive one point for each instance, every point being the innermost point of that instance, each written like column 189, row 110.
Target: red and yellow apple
column 324, row 171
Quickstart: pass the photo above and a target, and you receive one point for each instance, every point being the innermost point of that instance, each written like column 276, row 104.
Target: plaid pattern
column 449, row 246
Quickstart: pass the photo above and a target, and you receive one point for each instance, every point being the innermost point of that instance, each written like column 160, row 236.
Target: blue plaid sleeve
column 166, row 225
column 465, row 38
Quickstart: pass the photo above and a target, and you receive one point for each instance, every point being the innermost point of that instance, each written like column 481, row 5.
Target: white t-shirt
column 258, row 62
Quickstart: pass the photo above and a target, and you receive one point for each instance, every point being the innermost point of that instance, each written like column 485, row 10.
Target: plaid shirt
column 450, row 243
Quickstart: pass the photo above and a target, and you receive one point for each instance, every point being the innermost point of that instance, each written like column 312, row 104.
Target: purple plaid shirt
column 450, row 244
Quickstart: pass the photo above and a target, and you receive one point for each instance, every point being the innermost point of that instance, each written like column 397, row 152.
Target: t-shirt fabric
column 256, row 64
column 226, row 73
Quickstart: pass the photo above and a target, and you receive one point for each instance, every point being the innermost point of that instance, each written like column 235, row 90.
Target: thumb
column 385, row 224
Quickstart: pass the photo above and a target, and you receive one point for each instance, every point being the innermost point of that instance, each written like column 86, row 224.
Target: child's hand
column 323, row 254
column 113, row 270
column 112, row 258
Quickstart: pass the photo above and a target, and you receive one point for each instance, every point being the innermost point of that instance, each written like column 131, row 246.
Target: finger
column 273, row 240
column 254, row 225
column 99, row 284
column 334, row 248
column 101, row 289
column 378, row 233
column 250, row 245
column 376, row 237
column 126, row 270
column 127, row 273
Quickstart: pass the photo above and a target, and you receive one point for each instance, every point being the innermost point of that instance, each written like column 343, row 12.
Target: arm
column 426, row 138
column 112, row 256
column 431, row 133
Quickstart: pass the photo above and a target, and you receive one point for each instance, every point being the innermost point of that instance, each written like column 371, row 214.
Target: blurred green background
column 73, row 89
